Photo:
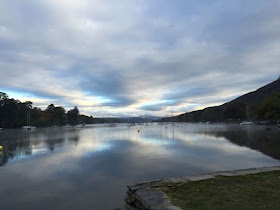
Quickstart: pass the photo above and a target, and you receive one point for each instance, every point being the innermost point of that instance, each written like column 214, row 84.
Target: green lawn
column 257, row 191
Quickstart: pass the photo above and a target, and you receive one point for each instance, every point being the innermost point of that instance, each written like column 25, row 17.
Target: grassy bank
column 257, row 191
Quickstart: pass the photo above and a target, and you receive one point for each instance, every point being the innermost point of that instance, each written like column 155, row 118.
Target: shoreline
column 148, row 195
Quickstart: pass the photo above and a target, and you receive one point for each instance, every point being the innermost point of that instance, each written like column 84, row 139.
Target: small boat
column 173, row 123
column 28, row 120
column 67, row 126
column 27, row 127
column 80, row 126
column 128, row 123
column 246, row 123
column 113, row 125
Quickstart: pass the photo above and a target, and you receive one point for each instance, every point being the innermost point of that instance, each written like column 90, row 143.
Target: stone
column 143, row 185
column 175, row 180
column 267, row 169
column 245, row 171
column 128, row 207
column 224, row 173
column 199, row 177
column 154, row 199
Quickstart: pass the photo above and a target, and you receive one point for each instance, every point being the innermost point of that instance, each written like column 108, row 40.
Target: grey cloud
column 159, row 106
column 201, row 52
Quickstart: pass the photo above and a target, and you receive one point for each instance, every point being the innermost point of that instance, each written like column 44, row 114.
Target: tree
column 235, row 110
column 3, row 98
column 36, row 117
column 59, row 116
column 269, row 108
column 72, row 116
column 9, row 114
column 49, row 115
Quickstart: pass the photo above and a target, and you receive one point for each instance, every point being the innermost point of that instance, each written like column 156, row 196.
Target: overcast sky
column 133, row 57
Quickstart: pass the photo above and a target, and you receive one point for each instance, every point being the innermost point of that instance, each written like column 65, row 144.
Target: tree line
column 16, row 114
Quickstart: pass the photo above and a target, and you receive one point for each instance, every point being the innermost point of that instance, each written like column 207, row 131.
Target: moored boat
column 113, row 125
column 27, row 127
column 67, row 126
column 246, row 123
column 80, row 126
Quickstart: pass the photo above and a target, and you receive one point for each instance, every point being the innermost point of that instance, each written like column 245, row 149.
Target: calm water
column 56, row 168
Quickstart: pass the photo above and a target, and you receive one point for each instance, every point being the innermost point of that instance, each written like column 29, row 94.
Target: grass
column 257, row 191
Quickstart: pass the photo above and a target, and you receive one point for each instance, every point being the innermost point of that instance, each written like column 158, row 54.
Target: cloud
column 158, row 105
column 123, row 56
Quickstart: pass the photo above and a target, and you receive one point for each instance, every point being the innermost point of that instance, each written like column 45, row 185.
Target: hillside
column 236, row 110
column 257, row 96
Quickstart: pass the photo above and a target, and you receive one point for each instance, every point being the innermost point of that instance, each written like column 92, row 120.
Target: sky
column 141, row 57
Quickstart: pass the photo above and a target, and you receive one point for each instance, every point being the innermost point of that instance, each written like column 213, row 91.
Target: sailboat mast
column 248, row 117
column 27, row 117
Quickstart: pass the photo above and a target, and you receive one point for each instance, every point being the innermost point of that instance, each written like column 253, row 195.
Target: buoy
column 138, row 131
column 1, row 148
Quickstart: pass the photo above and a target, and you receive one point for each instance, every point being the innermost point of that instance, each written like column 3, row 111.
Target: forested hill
column 257, row 96
column 262, row 104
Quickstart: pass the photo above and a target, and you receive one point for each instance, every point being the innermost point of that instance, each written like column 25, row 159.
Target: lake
column 89, row 168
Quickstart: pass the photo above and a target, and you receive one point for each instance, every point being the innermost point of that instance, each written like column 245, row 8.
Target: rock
column 174, row 180
column 199, row 177
column 154, row 199
column 128, row 207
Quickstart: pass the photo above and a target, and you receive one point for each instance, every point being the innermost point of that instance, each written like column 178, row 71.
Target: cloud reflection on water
column 95, row 164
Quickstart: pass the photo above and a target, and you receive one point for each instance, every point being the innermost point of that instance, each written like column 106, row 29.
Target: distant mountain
column 262, row 104
column 151, row 117
column 142, row 119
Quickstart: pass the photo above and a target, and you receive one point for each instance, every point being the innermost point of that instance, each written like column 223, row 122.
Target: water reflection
column 68, row 169
column 254, row 137
column 19, row 144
